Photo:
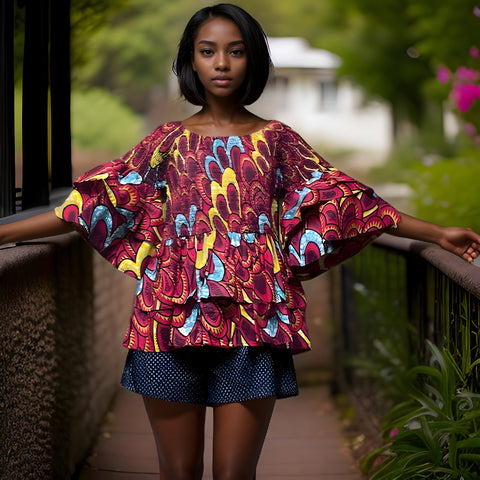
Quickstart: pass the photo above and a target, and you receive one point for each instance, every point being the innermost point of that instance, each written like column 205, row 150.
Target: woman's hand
column 463, row 242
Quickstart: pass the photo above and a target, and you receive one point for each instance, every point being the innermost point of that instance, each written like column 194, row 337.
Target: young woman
column 219, row 216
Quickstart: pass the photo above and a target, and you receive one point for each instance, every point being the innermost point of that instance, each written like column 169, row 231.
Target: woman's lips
column 221, row 81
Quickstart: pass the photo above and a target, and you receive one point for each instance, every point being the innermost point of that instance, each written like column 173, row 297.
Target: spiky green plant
column 435, row 434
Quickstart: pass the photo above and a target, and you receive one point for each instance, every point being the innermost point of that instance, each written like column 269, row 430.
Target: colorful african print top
column 219, row 232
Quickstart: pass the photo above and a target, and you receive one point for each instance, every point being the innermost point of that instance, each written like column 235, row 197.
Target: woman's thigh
column 178, row 429
column 238, row 436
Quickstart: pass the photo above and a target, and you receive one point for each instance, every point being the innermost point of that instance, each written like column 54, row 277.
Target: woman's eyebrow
column 208, row 42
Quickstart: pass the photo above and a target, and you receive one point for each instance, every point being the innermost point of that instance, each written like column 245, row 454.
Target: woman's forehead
column 219, row 28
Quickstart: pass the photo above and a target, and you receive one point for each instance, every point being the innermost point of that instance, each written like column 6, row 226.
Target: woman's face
column 220, row 58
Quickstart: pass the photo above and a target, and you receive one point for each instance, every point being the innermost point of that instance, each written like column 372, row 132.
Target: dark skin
column 239, row 428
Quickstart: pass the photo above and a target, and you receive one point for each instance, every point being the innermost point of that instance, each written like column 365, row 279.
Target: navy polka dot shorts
column 211, row 375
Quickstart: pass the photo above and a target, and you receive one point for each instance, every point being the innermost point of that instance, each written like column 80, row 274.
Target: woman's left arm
column 464, row 242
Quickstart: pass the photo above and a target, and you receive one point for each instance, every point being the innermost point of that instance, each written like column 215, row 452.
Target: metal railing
column 395, row 295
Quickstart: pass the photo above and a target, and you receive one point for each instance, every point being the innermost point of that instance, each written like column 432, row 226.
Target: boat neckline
column 259, row 131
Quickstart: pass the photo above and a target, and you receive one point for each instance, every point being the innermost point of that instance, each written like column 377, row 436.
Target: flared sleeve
column 117, row 206
column 327, row 216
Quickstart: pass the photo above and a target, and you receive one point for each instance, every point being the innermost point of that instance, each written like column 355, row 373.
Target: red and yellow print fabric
column 219, row 231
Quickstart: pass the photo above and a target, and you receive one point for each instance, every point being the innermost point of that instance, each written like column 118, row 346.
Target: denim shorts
column 211, row 375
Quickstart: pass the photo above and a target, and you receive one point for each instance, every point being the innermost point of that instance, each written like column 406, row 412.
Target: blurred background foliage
column 123, row 50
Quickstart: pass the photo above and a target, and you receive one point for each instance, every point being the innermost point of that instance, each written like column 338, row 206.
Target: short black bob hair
column 256, row 46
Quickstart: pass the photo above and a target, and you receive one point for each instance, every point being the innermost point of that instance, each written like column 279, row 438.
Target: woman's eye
column 236, row 53
column 206, row 51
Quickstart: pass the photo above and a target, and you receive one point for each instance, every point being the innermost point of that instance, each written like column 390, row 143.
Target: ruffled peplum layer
column 330, row 218
column 242, row 267
column 224, row 289
column 219, row 322
column 218, row 289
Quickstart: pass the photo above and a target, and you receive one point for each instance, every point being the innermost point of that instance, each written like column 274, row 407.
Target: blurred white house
column 306, row 94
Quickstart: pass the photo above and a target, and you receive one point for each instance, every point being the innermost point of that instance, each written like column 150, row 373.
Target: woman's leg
column 179, row 435
column 239, row 431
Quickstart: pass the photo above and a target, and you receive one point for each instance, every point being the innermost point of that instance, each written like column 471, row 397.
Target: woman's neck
column 221, row 113
column 215, row 121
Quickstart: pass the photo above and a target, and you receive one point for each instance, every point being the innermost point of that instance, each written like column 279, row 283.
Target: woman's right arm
column 43, row 225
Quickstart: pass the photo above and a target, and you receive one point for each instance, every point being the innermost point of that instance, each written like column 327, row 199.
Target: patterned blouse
column 219, row 232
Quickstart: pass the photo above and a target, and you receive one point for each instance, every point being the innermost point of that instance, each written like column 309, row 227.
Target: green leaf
column 475, row 457
column 469, row 443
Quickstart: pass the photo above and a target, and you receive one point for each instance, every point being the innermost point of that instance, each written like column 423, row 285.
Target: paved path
column 304, row 442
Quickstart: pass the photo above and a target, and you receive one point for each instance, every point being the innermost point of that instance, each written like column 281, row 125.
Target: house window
column 328, row 95
column 276, row 91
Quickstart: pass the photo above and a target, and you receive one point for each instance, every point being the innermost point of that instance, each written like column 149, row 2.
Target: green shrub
column 101, row 122
column 447, row 192
column 401, row 161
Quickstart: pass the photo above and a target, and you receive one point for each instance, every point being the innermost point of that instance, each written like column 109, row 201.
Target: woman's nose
column 222, row 62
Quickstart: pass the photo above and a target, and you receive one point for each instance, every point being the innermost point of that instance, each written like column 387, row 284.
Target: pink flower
column 466, row 74
column 443, row 75
column 474, row 53
column 394, row 432
column 470, row 129
column 465, row 95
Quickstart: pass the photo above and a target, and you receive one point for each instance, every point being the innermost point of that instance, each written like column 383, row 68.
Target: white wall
column 348, row 123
